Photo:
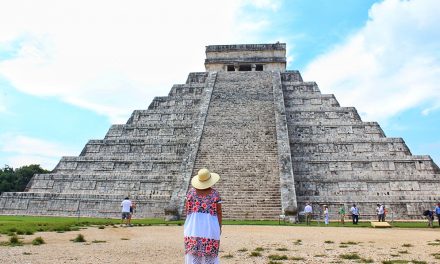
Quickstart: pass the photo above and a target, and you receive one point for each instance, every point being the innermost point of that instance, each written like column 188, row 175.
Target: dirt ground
column 164, row 244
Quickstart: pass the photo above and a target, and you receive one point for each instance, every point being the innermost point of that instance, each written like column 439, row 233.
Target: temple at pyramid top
column 246, row 57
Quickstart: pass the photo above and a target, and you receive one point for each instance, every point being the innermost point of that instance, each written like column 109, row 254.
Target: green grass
column 395, row 261
column 255, row 254
column 407, row 245
column 228, row 256
column 436, row 255
column 30, row 224
column 329, row 242
column 242, row 250
column 296, row 258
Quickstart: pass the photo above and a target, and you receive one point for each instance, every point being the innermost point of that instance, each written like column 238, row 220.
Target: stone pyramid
column 276, row 141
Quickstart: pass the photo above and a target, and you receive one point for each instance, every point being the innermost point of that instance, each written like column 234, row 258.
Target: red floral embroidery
column 201, row 246
column 202, row 204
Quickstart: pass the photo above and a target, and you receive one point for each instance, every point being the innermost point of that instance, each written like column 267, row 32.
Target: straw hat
column 204, row 179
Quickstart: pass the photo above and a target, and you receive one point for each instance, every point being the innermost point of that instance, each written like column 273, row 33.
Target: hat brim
column 205, row 184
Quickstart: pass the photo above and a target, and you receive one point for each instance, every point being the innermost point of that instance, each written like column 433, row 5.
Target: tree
column 16, row 180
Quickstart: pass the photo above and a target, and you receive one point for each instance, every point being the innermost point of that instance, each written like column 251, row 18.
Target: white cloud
column 274, row 5
column 24, row 150
column 390, row 65
column 110, row 56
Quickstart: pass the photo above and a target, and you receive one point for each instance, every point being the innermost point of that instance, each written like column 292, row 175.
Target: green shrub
column 277, row 257
column 15, row 241
column 228, row 256
column 255, row 254
column 38, row 241
column 350, row 256
column 282, row 249
column 79, row 238
column 349, row 243
column 395, row 261
column 99, row 241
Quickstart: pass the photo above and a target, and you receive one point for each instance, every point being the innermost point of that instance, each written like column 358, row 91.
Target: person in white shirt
column 126, row 204
column 380, row 213
column 326, row 214
column 354, row 214
column 308, row 213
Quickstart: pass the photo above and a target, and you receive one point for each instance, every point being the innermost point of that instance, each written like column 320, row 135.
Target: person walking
column 429, row 216
column 354, row 214
column 308, row 211
column 132, row 211
column 326, row 215
column 341, row 213
column 126, row 204
column 437, row 212
column 203, row 222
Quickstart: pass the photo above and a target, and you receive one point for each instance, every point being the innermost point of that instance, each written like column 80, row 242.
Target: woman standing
column 203, row 220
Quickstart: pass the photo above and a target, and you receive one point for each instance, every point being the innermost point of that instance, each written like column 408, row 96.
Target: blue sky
column 70, row 69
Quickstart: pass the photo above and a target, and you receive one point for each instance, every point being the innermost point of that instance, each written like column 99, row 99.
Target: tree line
column 16, row 180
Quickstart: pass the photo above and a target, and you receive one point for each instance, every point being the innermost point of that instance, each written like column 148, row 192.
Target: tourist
column 437, row 212
column 132, row 211
column 126, row 204
column 385, row 212
column 429, row 216
column 203, row 222
column 380, row 213
column 354, row 214
column 308, row 211
column 326, row 214
column 341, row 213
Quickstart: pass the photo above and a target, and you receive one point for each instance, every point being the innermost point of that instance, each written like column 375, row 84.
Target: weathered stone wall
column 338, row 159
column 141, row 159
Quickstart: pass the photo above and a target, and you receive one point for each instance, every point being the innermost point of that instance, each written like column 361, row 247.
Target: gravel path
column 163, row 244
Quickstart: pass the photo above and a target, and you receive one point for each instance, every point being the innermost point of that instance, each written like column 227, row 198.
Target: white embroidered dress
column 202, row 229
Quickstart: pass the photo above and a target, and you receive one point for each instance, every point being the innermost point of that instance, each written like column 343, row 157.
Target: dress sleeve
column 219, row 198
